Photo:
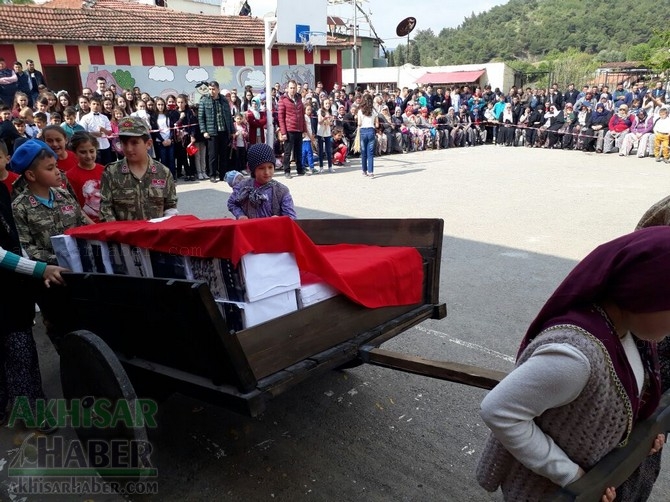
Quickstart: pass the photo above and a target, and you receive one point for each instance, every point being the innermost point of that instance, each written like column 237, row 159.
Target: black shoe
column 301, row 174
column 213, row 179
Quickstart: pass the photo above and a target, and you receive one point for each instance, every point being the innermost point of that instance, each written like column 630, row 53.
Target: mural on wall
column 163, row 80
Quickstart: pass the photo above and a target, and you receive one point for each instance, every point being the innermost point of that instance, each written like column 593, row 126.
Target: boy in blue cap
column 19, row 363
column 44, row 209
column 260, row 196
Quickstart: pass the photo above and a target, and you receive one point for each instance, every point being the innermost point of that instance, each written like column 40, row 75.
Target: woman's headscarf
column 599, row 112
column 633, row 272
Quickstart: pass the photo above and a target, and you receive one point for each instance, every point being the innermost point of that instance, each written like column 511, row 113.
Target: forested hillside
column 529, row 30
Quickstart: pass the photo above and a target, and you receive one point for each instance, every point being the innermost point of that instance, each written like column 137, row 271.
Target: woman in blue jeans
column 367, row 124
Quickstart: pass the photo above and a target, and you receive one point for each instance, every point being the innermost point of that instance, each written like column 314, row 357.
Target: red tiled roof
column 124, row 22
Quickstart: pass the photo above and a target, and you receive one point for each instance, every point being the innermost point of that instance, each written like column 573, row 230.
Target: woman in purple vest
column 587, row 371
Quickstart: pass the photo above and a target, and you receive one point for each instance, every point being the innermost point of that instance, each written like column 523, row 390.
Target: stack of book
column 262, row 287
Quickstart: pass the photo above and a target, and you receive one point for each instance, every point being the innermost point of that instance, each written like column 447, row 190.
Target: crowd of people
column 117, row 154
column 595, row 119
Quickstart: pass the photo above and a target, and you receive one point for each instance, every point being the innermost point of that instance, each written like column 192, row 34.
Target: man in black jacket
column 36, row 79
column 23, row 82
column 350, row 126
column 555, row 97
column 571, row 95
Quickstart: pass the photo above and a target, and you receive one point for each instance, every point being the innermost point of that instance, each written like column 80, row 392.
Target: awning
column 451, row 77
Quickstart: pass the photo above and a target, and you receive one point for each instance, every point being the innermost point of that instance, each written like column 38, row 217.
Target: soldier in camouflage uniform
column 43, row 209
column 136, row 187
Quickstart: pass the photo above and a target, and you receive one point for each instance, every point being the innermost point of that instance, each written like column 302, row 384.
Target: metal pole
column 354, row 62
column 408, row 55
column 270, row 38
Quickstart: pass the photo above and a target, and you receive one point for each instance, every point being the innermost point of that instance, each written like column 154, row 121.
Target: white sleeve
column 85, row 122
column 553, row 376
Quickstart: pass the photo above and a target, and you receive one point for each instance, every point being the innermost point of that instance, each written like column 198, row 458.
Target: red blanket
column 373, row 276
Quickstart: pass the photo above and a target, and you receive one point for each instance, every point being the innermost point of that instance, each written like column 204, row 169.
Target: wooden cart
column 129, row 337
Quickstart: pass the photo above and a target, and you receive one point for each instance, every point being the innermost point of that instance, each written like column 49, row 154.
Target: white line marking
column 468, row 345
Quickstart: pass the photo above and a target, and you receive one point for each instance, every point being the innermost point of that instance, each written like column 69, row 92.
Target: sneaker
column 365, row 173
column 287, row 176
column 372, row 175
column 658, row 159
column 213, row 179
column 331, row 170
column 308, row 172
column 667, row 161
column 315, row 171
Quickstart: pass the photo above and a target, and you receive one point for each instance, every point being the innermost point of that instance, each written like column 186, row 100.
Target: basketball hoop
column 311, row 38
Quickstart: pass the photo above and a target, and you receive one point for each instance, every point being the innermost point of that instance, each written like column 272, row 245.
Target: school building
column 157, row 49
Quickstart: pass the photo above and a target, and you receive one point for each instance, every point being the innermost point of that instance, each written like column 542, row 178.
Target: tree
column 610, row 56
column 529, row 29
column 415, row 55
column 659, row 59
column 391, row 58
column 639, row 52
column 572, row 66
column 400, row 56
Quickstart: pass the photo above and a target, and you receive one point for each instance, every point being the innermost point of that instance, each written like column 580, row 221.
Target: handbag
column 356, row 147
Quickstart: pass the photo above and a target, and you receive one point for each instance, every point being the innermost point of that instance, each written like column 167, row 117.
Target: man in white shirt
column 99, row 126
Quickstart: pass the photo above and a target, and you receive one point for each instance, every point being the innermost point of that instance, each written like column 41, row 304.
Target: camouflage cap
column 133, row 126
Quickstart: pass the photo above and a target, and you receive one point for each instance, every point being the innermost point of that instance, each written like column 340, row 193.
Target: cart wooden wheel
column 98, row 387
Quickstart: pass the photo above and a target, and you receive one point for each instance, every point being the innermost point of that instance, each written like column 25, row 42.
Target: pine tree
column 400, row 60
column 391, row 59
column 415, row 56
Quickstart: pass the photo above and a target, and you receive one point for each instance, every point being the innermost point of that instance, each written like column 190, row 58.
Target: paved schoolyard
column 516, row 221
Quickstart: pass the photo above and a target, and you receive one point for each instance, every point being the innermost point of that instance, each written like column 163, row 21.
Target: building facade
column 119, row 41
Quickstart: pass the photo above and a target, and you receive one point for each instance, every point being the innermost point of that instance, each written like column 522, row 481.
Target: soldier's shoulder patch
column 115, row 166
column 31, row 200
column 67, row 209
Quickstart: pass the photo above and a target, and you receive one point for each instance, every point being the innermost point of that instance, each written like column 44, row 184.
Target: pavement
column 516, row 221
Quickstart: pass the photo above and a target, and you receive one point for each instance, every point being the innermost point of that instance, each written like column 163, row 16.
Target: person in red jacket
column 619, row 125
column 291, row 126
column 257, row 119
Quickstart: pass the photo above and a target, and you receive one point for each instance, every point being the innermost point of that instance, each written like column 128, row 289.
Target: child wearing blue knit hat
column 260, row 196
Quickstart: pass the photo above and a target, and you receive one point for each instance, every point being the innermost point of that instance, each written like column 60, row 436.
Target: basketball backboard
column 296, row 17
